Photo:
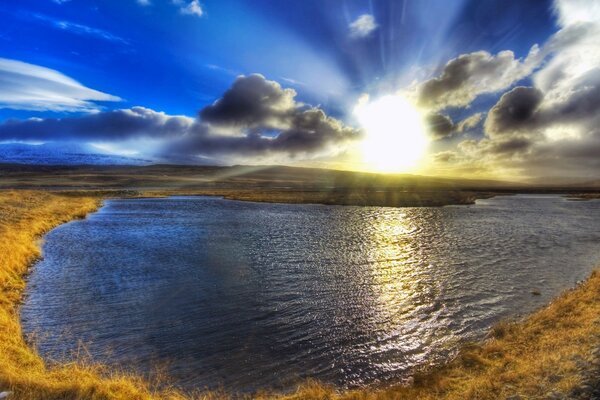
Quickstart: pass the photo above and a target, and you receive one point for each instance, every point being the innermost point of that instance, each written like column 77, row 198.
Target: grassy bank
column 24, row 217
column 547, row 352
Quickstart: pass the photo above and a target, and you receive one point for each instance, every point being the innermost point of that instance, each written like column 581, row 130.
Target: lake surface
column 253, row 295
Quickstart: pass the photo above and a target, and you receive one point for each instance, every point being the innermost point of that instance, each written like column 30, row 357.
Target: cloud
column 116, row 125
column 550, row 127
column 562, row 106
column 144, row 2
column 252, row 101
column 571, row 12
column 254, row 117
column 470, row 122
column 515, row 111
column 470, row 75
column 190, row 8
column 26, row 86
column 363, row 26
column 444, row 156
column 441, row 126
column 78, row 29
column 258, row 116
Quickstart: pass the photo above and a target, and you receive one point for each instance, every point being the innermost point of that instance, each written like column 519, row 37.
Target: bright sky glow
column 395, row 137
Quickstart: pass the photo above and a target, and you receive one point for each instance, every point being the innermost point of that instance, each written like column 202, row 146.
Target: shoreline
column 31, row 378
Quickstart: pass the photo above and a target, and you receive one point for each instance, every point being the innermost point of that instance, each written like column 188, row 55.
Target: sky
column 504, row 89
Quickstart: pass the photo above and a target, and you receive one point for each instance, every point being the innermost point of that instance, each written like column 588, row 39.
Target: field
column 547, row 355
column 269, row 184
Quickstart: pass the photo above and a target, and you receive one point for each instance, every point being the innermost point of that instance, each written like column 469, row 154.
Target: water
column 250, row 295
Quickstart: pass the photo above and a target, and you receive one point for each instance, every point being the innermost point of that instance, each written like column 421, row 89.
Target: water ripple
column 249, row 295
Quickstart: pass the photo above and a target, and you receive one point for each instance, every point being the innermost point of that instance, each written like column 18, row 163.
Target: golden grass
column 548, row 351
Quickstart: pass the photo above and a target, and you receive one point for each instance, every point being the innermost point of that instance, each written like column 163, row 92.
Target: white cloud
column 363, row 26
column 26, row 86
column 192, row 8
column 577, row 11
column 143, row 2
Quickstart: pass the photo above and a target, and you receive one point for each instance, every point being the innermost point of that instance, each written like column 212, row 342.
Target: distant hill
column 272, row 177
column 62, row 154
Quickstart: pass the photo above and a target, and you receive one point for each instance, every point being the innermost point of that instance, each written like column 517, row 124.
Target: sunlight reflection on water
column 252, row 295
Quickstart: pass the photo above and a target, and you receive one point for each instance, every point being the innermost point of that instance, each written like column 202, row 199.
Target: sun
column 395, row 136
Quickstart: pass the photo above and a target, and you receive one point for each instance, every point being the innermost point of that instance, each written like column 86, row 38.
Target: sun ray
column 395, row 136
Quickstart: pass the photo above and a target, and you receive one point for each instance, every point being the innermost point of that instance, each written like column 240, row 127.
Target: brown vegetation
column 265, row 184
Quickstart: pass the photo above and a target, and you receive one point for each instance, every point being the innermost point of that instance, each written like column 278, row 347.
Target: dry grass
column 533, row 357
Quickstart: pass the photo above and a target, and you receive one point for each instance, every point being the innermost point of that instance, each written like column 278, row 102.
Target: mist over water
column 254, row 295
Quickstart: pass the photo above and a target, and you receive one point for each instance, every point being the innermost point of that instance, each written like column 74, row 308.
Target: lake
column 254, row 295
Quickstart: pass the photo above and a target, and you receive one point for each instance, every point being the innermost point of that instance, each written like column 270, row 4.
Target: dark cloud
column 439, row 126
column 520, row 110
column 252, row 101
column 514, row 111
column 537, row 134
column 310, row 131
column 255, row 116
column 114, row 125
column 265, row 119
column 549, row 129
column 464, row 78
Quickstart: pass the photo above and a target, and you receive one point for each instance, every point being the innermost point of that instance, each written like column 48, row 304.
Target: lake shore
column 549, row 353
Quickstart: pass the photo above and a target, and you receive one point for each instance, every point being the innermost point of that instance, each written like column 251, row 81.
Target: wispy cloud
column 292, row 81
column 227, row 71
column 78, row 29
column 189, row 8
column 26, row 86
column 143, row 2
column 363, row 26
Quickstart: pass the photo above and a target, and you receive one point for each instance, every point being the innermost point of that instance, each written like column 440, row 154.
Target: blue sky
column 180, row 56
column 157, row 57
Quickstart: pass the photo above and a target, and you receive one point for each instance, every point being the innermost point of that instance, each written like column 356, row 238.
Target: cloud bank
column 254, row 117
column 548, row 127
